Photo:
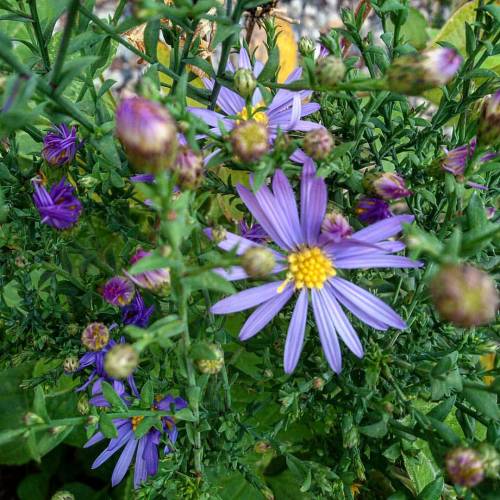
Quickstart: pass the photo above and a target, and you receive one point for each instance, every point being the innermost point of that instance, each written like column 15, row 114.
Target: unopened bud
column 83, row 406
column 250, row 141
column 95, row 336
column 465, row 467
column 258, row 262
column 387, row 185
column 329, row 71
column 31, row 418
column 120, row 361
column 88, row 181
column 306, row 46
column 245, row 82
column 63, row 495
column 219, row 234
column 73, row 329
column 335, row 227
column 489, row 122
column 148, row 133
column 415, row 73
column 464, row 295
column 318, row 143
column 212, row 366
column 21, row 261
column 189, row 168
column 70, row 364
column 262, row 447
column 318, row 383
column 491, row 460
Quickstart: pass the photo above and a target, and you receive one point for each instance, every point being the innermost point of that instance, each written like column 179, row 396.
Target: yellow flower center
column 249, row 113
column 136, row 421
column 308, row 267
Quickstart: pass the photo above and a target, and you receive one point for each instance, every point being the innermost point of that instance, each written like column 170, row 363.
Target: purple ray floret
column 311, row 264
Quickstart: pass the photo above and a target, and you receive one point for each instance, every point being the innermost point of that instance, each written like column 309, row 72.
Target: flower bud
column 329, row 71
column 73, row 329
column 491, row 460
column 262, row 447
column 388, row 186
column 335, row 227
column 371, row 210
column 250, row 141
column 71, row 364
column 118, row 291
column 488, row 132
column 95, row 336
column 189, row 168
column 258, row 262
column 21, row 261
column 465, row 467
column 415, row 73
column 306, row 46
column 154, row 279
column 318, row 143
column 83, row 405
column 120, row 361
column 219, row 234
column 245, row 82
column 464, row 295
column 63, row 495
column 212, row 366
column 147, row 132
column 318, row 383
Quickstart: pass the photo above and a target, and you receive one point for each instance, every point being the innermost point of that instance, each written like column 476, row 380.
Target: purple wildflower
column 136, row 313
column 390, row 186
column 60, row 145
column 253, row 233
column 285, row 112
column 151, row 280
column 144, row 448
column 118, row 291
column 98, row 374
column 335, row 227
column 370, row 210
column 311, row 266
column 465, row 467
column 442, row 63
column 58, row 207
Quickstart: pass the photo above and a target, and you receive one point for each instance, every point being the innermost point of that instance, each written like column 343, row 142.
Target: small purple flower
column 60, row 145
column 58, row 207
column 370, row 210
column 136, row 313
column 95, row 360
column 253, row 233
column 284, row 112
column 118, row 291
column 311, row 269
column 390, row 186
column 144, row 448
column 151, row 280
column 442, row 63
column 335, row 227
column 465, row 467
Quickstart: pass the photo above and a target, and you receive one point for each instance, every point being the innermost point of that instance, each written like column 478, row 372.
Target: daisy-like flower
column 136, row 313
column 60, row 145
column 118, row 291
column 151, row 280
column 144, row 448
column 59, row 207
column 95, row 360
column 456, row 161
column 284, row 112
column 311, row 268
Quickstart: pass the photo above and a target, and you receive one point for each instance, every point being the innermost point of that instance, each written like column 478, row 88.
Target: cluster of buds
column 120, row 361
column 250, row 141
column 318, row 143
column 464, row 295
column 258, row 262
column 329, row 71
column 413, row 74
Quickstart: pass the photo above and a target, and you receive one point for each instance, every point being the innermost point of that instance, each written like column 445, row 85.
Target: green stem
column 39, row 35
column 63, row 46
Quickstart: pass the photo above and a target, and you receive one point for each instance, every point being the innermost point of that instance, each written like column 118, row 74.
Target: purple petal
column 230, row 102
column 366, row 301
column 327, row 335
column 309, row 108
column 265, row 313
column 113, row 447
column 98, row 436
column 244, row 59
column 313, row 199
column 295, row 335
column 123, row 463
column 246, row 299
column 383, row 229
column 140, row 473
column 305, row 126
column 211, row 118
column 377, row 260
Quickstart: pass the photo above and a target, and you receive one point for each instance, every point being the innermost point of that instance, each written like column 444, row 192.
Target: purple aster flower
column 118, row 291
column 144, row 448
column 390, row 186
column 253, row 233
column 95, row 360
column 285, row 112
column 151, row 280
column 136, row 313
column 335, row 227
column 59, row 207
column 456, row 160
column 370, row 210
column 311, row 269
column 60, row 145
